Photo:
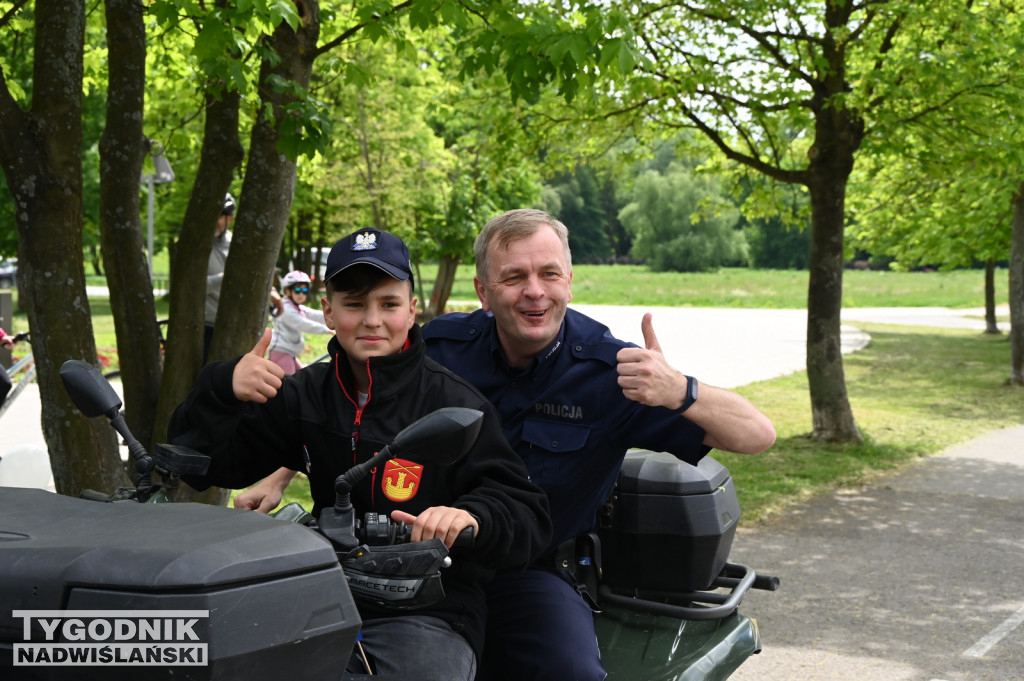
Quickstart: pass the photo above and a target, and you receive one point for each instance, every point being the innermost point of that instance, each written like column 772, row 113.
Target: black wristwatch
column 691, row 394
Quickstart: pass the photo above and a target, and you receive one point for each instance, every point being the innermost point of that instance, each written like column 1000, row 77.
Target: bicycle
column 26, row 366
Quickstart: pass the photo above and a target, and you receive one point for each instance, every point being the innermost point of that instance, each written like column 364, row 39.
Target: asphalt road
column 916, row 577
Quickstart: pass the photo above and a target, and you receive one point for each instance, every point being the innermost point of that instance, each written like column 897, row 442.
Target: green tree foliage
column 681, row 221
column 944, row 194
column 792, row 90
column 219, row 72
column 775, row 222
column 416, row 152
column 918, row 214
column 774, row 245
column 944, row 189
column 490, row 167
column 580, row 206
column 382, row 157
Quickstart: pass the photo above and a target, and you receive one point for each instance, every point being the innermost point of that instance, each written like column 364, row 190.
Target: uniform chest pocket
column 555, row 437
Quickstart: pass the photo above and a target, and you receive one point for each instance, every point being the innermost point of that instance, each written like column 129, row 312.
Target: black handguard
column 399, row 577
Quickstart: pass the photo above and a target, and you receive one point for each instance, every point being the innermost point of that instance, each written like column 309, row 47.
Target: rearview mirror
column 90, row 392
column 441, row 437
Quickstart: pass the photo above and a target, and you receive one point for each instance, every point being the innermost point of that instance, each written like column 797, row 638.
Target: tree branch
column 6, row 18
column 775, row 172
column 763, row 38
column 938, row 106
column 887, row 44
column 352, row 30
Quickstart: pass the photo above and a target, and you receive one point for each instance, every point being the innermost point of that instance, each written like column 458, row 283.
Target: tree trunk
column 267, row 193
column 991, row 326
column 838, row 132
column 446, row 271
column 94, row 260
column 122, row 150
column 1017, row 291
column 830, row 406
column 221, row 154
column 837, row 137
column 40, row 151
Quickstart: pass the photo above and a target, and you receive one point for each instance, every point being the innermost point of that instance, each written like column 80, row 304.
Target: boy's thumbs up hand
column 256, row 379
column 260, row 349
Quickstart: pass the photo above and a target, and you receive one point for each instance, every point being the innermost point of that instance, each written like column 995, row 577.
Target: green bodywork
column 655, row 648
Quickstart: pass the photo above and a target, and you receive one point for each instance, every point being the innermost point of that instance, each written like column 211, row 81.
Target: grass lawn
column 635, row 285
column 900, row 388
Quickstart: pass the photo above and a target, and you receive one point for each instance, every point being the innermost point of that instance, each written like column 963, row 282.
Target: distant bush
column 680, row 221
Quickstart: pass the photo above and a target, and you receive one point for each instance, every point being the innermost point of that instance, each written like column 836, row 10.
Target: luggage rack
column 693, row 605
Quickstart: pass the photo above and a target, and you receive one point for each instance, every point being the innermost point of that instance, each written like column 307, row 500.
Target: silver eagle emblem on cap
column 365, row 242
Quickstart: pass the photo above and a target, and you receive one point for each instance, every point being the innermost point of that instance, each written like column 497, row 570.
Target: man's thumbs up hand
column 256, row 379
column 647, row 327
column 644, row 374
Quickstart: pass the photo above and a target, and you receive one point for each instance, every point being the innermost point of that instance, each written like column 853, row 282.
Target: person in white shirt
column 296, row 319
column 215, row 271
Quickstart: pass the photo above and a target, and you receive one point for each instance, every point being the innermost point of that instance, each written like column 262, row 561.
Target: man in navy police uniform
column 572, row 400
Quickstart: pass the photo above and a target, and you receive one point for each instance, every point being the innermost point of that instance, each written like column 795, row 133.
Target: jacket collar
column 541, row 362
column 390, row 374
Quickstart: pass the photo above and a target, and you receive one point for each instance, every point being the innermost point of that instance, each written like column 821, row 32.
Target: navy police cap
column 372, row 247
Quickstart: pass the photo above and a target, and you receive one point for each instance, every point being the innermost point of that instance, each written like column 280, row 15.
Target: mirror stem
column 143, row 461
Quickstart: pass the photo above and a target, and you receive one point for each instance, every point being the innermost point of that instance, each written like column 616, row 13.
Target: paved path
column 726, row 347
column 916, row 577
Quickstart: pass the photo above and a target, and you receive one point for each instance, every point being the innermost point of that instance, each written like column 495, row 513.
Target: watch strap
column 691, row 394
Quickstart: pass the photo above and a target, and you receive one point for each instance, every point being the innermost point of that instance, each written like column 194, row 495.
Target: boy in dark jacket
column 330, row 416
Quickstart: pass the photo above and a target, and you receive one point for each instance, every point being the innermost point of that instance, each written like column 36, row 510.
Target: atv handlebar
column 93, row 495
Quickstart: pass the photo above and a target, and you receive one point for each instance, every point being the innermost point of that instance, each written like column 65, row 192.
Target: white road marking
column 987, row 642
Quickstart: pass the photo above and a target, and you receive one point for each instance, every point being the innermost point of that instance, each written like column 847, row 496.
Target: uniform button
column 472, row 331
column 554, row 444
column 579, row 348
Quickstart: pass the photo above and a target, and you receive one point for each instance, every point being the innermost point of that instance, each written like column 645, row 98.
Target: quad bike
column 229, row 594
